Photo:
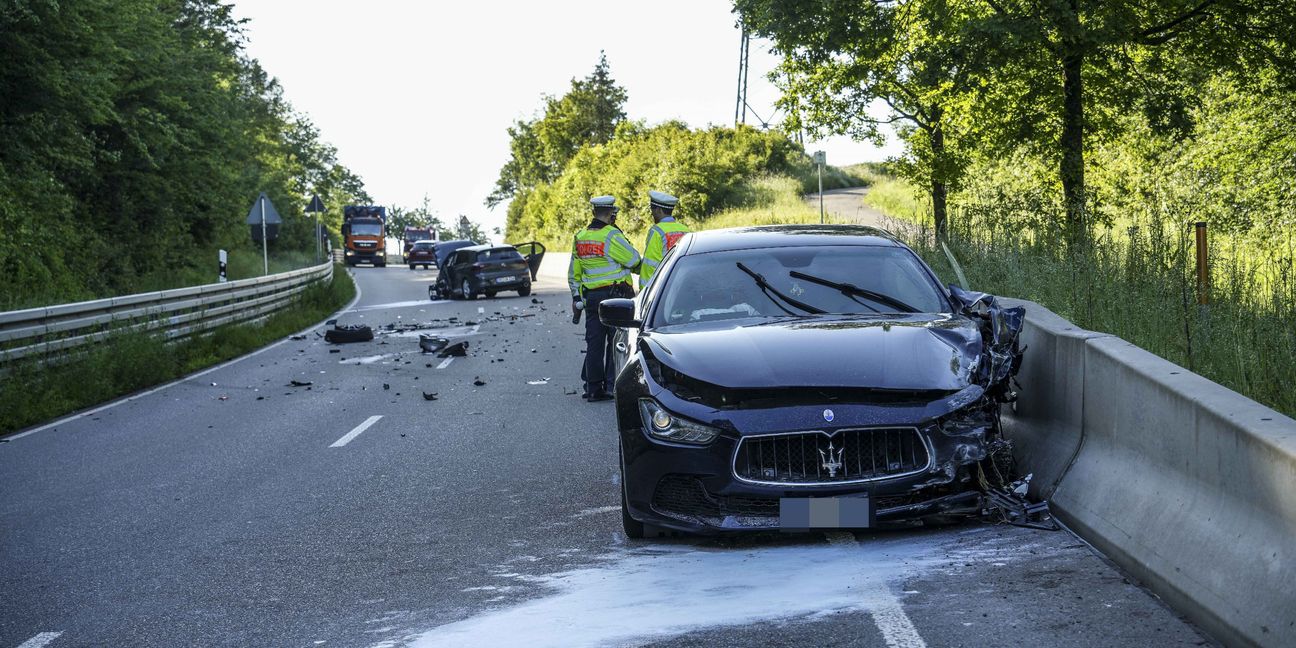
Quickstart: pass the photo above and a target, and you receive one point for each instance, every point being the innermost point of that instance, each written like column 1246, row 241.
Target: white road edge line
column 445, row 363
column 204, row 372
column 888, row 614
column 40, row 640
column 346, row 438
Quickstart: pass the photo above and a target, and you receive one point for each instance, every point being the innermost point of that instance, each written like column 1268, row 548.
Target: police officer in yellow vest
column 662, row 236
column 602, row 262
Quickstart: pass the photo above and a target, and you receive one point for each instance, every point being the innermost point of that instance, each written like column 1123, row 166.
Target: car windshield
column 797, row 281
column 423, row 246
column 366, row 229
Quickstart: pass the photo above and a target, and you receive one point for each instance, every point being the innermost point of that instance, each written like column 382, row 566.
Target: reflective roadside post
column 1203, row 277
column 224, row 258
column 820, row 159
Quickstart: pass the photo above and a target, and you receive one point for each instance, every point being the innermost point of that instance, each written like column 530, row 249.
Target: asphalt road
column 227, row 510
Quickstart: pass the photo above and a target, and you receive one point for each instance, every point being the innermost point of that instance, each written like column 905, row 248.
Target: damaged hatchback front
column 802, row 377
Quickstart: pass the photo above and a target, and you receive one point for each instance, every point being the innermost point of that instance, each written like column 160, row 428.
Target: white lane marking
column 481, row 309
column 346, row 438
column 445, row 363
column 401, row 304
column 888, row 614
column 40, row 640
column 204, row 372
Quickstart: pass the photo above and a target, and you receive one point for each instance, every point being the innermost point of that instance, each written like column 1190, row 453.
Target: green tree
column 588, row 113
column 1060, row 72
column 840, row 57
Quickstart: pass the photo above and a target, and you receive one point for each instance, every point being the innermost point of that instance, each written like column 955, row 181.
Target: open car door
column 533, row 252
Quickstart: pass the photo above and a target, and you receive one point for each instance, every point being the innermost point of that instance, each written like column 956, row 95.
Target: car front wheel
column 634, row 529
column 466, row 290
column 524, row 291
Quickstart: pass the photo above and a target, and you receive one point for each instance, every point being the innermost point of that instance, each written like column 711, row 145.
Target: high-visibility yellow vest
column 661, row 238
column 600, row 257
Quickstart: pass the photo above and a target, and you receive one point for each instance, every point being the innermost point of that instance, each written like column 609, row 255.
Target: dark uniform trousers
column 598, row 372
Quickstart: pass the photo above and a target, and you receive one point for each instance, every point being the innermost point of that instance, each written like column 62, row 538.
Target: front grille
column 804, row 457
column 685, row 498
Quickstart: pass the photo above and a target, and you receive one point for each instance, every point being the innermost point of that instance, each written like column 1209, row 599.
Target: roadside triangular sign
column 271, row 215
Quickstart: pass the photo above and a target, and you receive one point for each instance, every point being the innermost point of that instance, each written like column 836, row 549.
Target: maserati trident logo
column 828, row 415
column 832, row 460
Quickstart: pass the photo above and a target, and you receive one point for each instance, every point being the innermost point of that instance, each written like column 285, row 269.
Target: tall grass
column 1135, row 279
column 31, row 393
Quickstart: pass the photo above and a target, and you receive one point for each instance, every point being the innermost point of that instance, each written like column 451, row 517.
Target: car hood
column 908, row 352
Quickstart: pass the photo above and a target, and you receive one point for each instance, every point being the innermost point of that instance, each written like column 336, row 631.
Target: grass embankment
column 1134, row 280
column 30, row 393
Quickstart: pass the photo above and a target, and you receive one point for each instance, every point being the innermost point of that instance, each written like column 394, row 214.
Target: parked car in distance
column 422, row 253
column 485, row 270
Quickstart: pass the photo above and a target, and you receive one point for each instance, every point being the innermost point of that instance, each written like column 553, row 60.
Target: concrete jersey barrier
column 1188, row 485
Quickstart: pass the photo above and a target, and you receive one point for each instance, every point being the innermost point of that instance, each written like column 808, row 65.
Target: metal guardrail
column 53, row 330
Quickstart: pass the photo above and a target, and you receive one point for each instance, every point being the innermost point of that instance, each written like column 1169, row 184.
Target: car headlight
column 668, row 427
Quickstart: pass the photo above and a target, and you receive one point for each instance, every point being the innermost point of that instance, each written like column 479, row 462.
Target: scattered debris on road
column 429, row 396
column 297, row 337
column 346, row 333
column 542, row 381
column 431, row 344
column 300, row 383
column 478, row 381
column 457, row 350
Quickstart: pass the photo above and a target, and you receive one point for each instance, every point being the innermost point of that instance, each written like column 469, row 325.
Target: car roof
column 456, row 244
column 486, row 247
column 766, row 236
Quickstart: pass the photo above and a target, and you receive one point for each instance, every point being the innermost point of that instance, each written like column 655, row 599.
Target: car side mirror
column 618, row 313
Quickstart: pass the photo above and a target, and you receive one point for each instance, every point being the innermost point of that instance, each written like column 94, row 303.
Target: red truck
column 414, row 235
column 364, row 234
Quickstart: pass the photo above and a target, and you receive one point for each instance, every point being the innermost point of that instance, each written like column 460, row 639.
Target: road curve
column 233, row 509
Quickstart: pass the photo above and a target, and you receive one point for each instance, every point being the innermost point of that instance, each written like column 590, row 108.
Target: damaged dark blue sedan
column 806, row 377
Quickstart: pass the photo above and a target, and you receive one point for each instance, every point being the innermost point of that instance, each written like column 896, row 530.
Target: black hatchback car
column 798, row 377
column 485, row 270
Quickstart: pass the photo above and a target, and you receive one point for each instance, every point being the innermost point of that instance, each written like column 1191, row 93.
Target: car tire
column 634, row 529
column 490, row 294
column 524, row 291
column 465, row 290
column 411, row 266
column 380, row 264
column 342, row 334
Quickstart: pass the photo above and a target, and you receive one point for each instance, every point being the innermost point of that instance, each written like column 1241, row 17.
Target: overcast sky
column 417, row 95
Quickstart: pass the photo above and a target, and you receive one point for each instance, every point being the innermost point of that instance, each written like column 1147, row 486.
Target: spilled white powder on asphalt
column 642, row 596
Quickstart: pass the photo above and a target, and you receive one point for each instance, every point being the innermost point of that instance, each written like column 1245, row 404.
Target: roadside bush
column 711, row 170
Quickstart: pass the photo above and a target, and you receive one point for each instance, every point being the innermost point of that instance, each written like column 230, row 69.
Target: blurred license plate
column 800, row 513
column 505, row 279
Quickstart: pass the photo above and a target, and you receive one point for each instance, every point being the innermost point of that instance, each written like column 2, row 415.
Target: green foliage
column 31, row 392
column 710, row 170
column 540, row 148
column 136, row 135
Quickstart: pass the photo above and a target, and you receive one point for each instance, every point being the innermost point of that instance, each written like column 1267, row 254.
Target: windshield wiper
column 771, row 290
column 852, row 290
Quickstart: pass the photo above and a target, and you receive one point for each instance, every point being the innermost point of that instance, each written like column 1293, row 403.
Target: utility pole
column 740, row 107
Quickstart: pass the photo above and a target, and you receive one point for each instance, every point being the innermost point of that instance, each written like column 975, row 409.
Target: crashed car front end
column 701, row 457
